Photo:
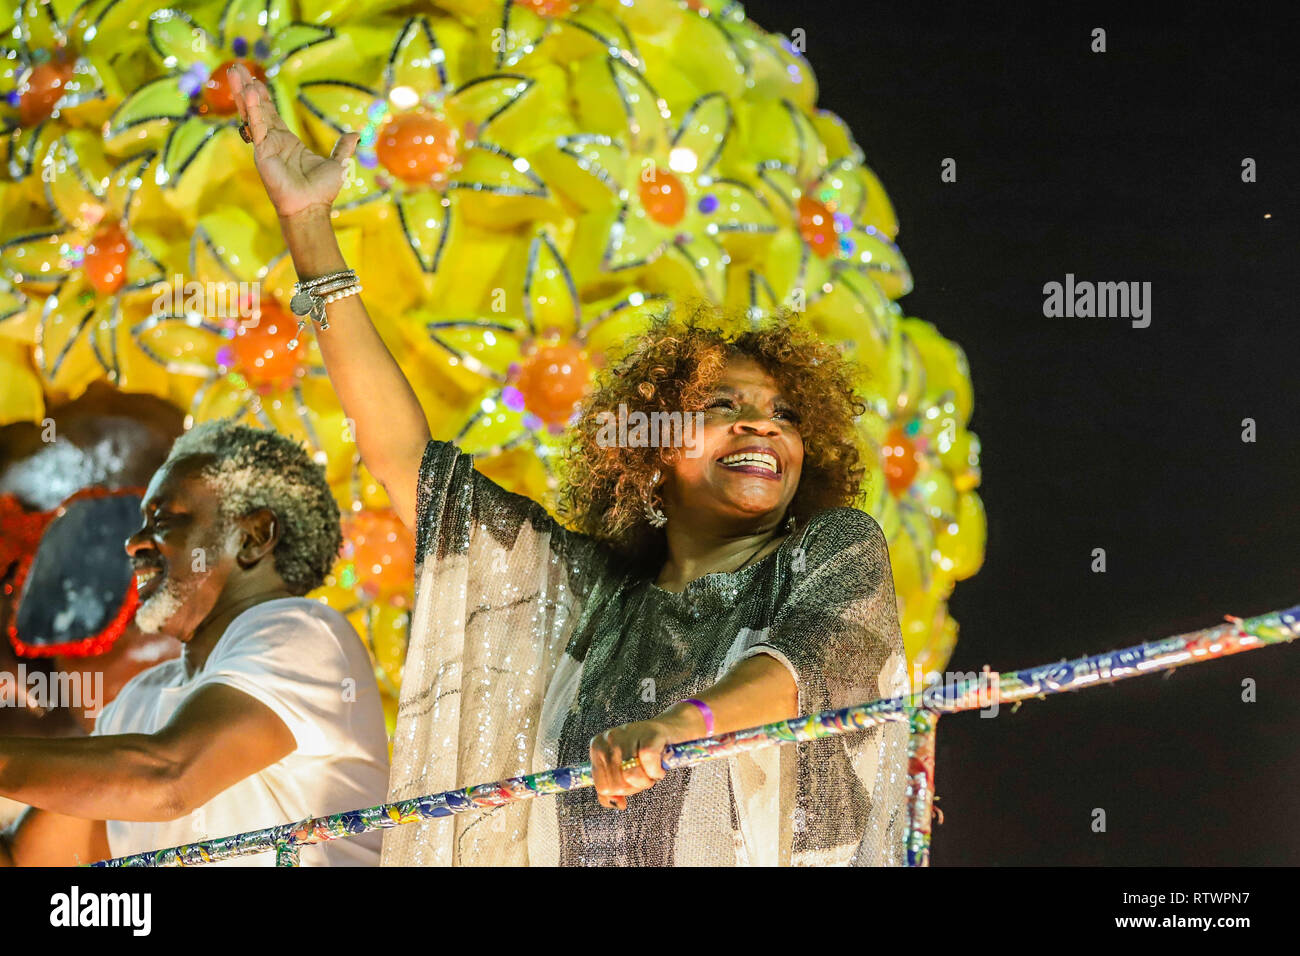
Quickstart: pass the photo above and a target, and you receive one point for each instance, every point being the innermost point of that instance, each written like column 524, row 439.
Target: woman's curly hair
column 674, row 367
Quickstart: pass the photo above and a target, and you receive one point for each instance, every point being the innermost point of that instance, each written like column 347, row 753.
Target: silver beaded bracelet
column 311, row 297
column 328, row 278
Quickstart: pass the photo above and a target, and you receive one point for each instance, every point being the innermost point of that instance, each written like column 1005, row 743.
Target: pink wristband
column 704, row 709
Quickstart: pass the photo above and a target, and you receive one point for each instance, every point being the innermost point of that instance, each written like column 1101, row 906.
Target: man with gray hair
column 270, row 715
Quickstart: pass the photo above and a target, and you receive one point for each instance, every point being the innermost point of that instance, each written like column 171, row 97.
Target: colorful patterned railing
column 921, row 710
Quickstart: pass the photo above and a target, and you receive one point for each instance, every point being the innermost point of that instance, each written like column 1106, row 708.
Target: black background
column 1122, row 166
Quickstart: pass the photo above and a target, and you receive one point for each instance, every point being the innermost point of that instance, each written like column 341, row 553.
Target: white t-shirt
column 303, row 660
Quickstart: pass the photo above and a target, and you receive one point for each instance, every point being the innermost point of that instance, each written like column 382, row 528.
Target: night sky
column 1122, row 166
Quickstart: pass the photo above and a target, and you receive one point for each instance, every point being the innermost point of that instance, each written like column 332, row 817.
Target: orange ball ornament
column 817, row 226
column 553, row 380
column 663, row 197
column 217, row 96
column 42, row 89
column 104, row 264
column 899, row 460
column 260, row 349
column 418, row 147
column 382, row 553
column 550, row 8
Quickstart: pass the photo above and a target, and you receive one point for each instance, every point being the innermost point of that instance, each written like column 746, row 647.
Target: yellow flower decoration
column 227, row 329
column 52, row 74
column 533, row 364
column 667, row 214
column 194, row 102
column 87, row 268
column 21, row 400
column 925, row 471
column 692, row 47
column 560, row 30
column 423, row 137
column 834, row 257
column 837, row 208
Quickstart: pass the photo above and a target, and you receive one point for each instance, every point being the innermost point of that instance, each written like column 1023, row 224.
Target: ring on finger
column 245, row 133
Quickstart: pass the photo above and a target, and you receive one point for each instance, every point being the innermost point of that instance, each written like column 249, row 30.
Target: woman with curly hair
column 717, row 580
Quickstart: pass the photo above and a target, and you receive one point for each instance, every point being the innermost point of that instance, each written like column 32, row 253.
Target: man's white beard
column 160, row 607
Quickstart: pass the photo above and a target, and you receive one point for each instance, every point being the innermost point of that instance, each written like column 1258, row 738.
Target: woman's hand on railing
column 296, row 179
column 643, row 741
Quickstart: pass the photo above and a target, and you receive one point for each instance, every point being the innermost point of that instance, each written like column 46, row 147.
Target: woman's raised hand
column 296, row 179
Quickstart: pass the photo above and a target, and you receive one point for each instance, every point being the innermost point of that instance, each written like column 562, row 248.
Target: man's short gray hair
column 255, row 468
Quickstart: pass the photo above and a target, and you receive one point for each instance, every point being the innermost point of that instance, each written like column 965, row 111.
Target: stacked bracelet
column 327, row 279
column 311, row 297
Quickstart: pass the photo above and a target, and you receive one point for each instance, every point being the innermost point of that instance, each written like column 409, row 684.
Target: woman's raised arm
column 391, row 428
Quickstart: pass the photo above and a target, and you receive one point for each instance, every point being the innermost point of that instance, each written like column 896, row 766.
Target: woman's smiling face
column 748, row 452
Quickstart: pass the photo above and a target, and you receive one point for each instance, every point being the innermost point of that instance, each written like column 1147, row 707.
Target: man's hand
column 43, row 838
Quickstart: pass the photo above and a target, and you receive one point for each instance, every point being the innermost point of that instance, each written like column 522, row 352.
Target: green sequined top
column 529, row 639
